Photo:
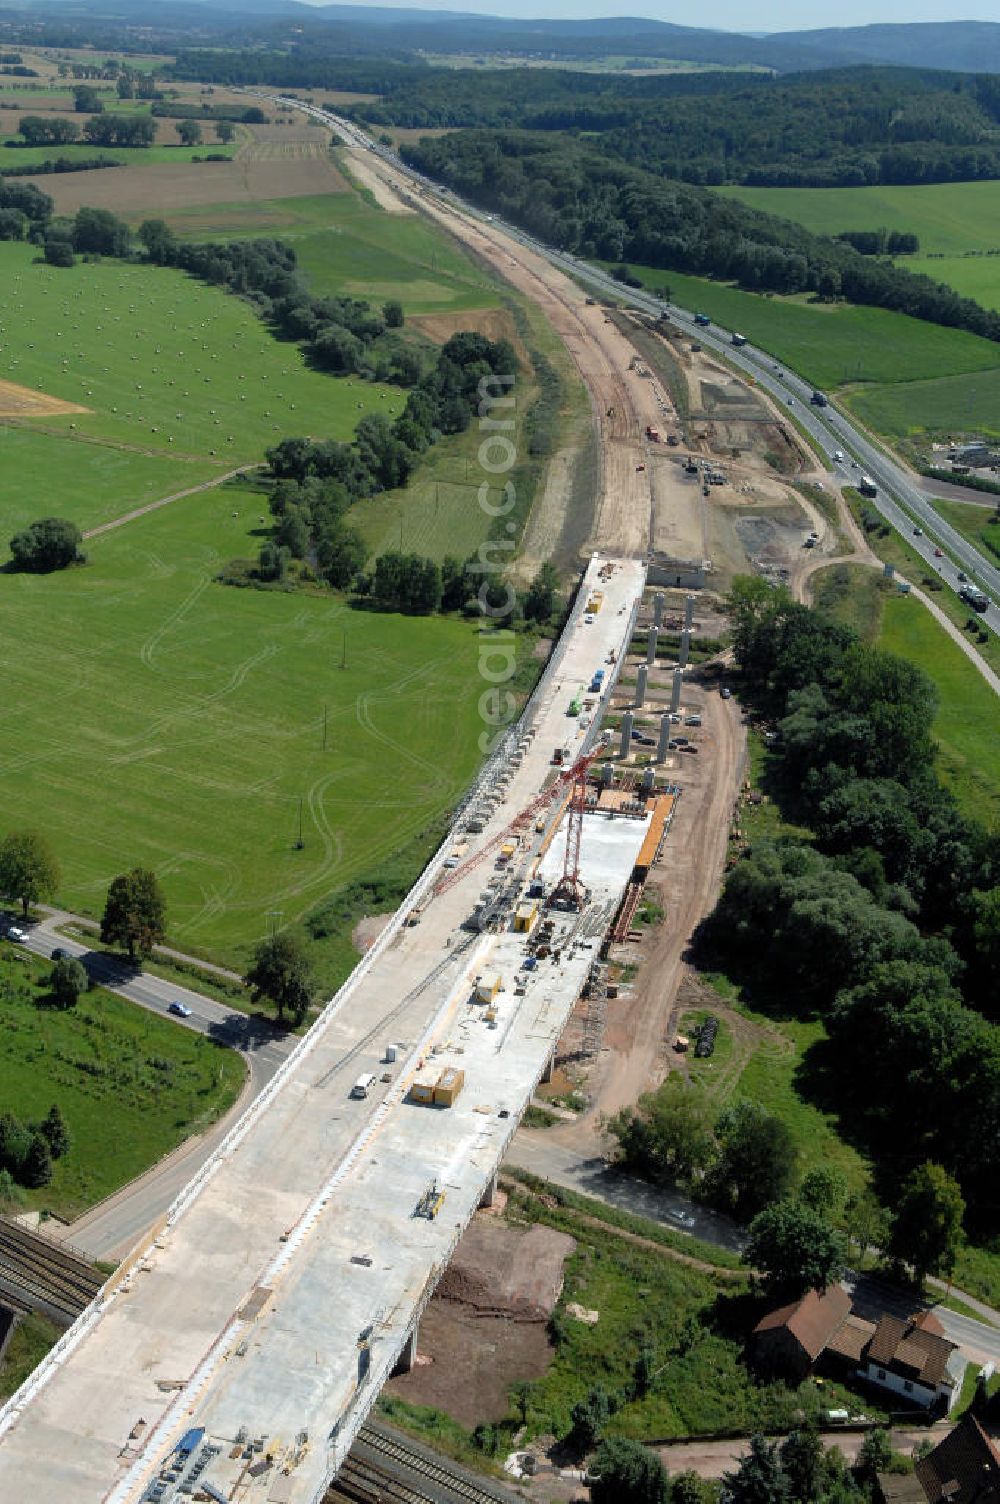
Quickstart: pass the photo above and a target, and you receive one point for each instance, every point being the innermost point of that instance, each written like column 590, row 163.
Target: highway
column 901, row 499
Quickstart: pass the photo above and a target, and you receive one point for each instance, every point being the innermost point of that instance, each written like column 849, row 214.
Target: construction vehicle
column 867, row 487
column 430, row 1202
column 653, row 434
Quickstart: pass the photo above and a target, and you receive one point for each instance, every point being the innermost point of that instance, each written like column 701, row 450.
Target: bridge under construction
column 239, row 1350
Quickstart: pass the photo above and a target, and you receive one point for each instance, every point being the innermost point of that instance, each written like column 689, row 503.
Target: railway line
column 384, row 1469
column 44, row 1274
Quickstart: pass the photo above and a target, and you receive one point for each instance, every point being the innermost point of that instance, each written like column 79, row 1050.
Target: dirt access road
column 624, row 400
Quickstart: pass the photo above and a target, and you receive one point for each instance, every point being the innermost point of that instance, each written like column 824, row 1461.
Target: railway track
column 43, row 1273
column 391, row 1456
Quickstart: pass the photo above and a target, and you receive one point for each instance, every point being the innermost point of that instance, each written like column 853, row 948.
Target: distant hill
column 959, row 46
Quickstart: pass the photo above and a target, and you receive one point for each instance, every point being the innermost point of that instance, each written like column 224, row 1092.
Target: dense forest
column 571, row 197
column 885, row 920
column 842, row 128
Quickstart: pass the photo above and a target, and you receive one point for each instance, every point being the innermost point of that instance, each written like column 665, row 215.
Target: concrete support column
column 651, row 646
column 675, row 690
column 408, row 1356
column 688, row 613
column 658, row 609
column 661, row 748
column 550, row 1066
column 640, row 685
column 684, row 649
column 489, row 1194
column 626, row 733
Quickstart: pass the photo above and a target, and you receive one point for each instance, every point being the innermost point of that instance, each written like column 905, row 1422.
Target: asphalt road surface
column 109, row 1230
column 901, row 498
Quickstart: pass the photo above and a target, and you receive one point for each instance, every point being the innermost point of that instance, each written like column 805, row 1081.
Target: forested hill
column 567, row 194
column 844, row 128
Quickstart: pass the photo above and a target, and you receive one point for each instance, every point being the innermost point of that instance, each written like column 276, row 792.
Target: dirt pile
column 499, row 1270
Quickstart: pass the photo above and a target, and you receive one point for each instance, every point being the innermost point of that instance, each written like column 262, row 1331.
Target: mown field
column 181, row 383
column 345, row 244
column 974, row 522
column 950, row 220
column 933, row 408
column 130, row 1085
column 133, row 156
column 833, row 344
column 153, row 716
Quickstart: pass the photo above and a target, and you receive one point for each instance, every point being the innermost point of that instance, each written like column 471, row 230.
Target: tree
column 51, row 542
column 668, row 1134
column 392, row 312
column 794, row 1248
column 280, row 973
column 189, row 132
column 689, row 1488
column 58, row 251
column 68, row 979
column 98, row 232
column 802, row 1458
column 588, row 1418
column 37, row 1170
column 927, row 1227
column 874, row 1455
column 55, row 1132
column 759, row 1479
column 866, row 1221
column 159, row 240
column 540, row 598
column 823, row 1189
column 628, row 1473
column 135, row 913
column 224, row 131
column 87, row 100
column 13, row 224
column 12, row 1197
column 757, row 1160
column 29, row 872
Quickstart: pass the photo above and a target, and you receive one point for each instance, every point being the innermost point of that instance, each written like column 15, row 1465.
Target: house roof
column 911, row 1351
column 812, row 1320
column 962, row 1469
column 900, row 1488
column 852, row 1339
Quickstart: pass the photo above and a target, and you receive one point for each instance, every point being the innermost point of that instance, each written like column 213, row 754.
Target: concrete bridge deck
column 289, row 1276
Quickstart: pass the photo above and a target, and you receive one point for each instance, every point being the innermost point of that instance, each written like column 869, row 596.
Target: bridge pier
column 408, row 1356
column 489, row 1194
column 550, row 1066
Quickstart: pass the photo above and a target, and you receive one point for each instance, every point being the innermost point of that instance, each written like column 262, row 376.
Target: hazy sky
column 729, row 15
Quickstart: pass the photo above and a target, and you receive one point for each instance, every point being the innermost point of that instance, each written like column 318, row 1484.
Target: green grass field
column 132, row 156
column 924, row 409
column 834, row 344
column 165, row 366
column 151, row 715
column 345, row 244
column 967, row 725
column 130, row 1085
column 974, row 522
column 947, row 217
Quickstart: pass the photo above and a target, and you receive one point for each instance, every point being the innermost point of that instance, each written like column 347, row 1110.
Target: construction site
column 238, row 1352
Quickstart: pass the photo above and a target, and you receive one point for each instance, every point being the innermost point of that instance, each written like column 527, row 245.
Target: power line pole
column 300, row 842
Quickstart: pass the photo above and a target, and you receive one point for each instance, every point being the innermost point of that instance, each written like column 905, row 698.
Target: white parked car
column 15, row 932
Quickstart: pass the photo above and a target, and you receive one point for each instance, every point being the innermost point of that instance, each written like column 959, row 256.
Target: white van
column 362, row 1086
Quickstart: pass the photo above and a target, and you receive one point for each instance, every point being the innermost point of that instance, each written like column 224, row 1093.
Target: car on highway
column 683, row 1219
column 589, row 619
column 962, row 576
column 939, row 553
column 15, row 932
column 180, row 1010
column 918, row 532
column 726, row 692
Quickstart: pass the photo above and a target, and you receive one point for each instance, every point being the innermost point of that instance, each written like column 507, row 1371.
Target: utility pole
column 300, row 842
column 343, row 654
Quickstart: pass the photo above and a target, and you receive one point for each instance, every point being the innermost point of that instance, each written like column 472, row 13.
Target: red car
column 939, row 553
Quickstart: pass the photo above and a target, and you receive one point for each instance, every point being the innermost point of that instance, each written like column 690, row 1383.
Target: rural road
column 710, row 1459
column 531, row 1150
column 110, row 1229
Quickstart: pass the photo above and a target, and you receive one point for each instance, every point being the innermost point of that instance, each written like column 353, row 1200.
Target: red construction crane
column 569, row 889
column 575, row 775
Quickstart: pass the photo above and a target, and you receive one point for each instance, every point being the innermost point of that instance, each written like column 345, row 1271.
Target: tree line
column 572, row 197
column 886, row 922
